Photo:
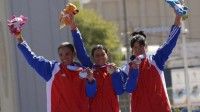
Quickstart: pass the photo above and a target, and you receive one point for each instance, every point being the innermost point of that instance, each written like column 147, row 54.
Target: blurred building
column 144, row 14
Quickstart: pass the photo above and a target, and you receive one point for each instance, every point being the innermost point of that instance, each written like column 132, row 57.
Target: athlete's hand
column 111, row 68
column 90, row 76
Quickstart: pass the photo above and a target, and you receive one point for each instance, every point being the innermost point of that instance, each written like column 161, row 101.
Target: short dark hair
column 139, row 37
column 98, row 46
column 68, row 45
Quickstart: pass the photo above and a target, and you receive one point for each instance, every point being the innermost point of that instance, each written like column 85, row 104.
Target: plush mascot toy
column 179, row 7
column 70, row 9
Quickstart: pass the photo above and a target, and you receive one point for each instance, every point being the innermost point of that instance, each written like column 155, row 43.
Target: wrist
column 90, row 80
column 73, row 27
column 19, row 38
column 178, row 20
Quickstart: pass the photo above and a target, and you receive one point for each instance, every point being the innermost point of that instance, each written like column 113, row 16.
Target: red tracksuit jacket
column 105, row 99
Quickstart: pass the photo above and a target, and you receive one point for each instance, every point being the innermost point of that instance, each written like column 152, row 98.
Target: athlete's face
column 66, row 55
column 138, row 49
column 100, row 57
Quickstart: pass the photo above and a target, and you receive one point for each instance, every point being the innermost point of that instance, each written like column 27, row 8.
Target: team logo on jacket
column 63, row 75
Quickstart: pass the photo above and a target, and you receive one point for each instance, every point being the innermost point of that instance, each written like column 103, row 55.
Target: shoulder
column 56, row 67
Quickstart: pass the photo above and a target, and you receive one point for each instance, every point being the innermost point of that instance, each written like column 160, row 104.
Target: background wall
column 21, row 88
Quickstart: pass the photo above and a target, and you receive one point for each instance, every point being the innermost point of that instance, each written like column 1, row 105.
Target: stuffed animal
column 15, row 24
column 178, row 6
column 70, row 9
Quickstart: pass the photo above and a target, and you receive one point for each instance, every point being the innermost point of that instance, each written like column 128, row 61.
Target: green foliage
column 95, row 30
column 176, row 110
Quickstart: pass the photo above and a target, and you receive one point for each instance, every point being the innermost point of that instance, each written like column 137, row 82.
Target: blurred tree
column 176, row 110
column 95, row 30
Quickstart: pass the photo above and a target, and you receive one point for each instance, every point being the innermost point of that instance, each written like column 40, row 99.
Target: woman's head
column 66, row 53
column 99, row 54
column 138, row 43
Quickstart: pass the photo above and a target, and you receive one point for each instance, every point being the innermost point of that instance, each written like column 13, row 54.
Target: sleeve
column 165, row 50
column 118, row 81
column 132, row 80
column 82, row 55
column 42, row 66
column 91, row 88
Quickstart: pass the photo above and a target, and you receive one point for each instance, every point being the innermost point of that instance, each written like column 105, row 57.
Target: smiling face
column 138, row 43
column 66, row 53
column 100, row 57
column 99, row 54
column 138, row 49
